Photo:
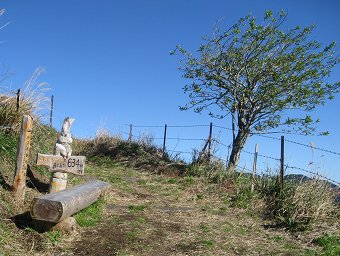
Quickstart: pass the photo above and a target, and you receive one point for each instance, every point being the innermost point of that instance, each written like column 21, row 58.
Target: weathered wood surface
column 72, row 164
column 19, row 183
column 63, row 148
column 57, row 206
column 58, row 182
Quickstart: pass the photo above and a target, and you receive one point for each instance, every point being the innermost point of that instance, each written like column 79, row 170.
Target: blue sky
column 108, row 64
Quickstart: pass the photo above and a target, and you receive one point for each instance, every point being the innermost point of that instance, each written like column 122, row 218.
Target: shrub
column 214, row 170
column 141, row 154
column 243, row 196
column 296, row 206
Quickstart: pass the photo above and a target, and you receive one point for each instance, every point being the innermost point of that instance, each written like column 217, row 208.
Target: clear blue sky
column 108, row 64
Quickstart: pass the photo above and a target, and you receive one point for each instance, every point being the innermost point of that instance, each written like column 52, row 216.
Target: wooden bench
column 57, row 206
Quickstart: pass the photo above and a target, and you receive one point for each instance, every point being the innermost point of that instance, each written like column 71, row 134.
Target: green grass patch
column 330, row 244
column 137, row 208
column 133, row 234
column 8, row 146
column 54, row 236
column 206, row 243
column 188, row 180
column 278, row 238
column 140, row 220
column 102, row 161
column 172, row 181
column 91, row 215
column 199, row 196
column 4, row 233
column 204, row 228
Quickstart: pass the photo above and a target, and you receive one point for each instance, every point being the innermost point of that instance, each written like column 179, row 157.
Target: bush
column 299, row 205
column 141, row 154
column 214, row 170
column 243, row 196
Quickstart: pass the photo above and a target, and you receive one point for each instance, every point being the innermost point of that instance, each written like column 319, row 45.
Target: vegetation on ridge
column 263, row 76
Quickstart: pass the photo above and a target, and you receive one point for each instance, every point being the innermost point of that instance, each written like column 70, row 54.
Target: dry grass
column 141, row 154
column 300, row 205
column 149, row 214
column 168, row 214
column 32, row 100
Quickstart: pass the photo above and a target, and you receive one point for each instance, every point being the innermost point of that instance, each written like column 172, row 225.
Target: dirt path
column 147, row 214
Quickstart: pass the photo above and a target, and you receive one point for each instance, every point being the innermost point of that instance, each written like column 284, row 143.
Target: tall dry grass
column 298, row 206
column 32, row 100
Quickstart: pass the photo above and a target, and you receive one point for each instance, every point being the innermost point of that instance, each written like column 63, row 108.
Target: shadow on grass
column 4, row 184
column 35, row 183
column 25, row 221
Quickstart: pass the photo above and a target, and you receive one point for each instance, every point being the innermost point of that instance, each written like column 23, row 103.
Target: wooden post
column 254, row 167
column 51, row 111
column 19, row 183
column 18, row 99
column 209, row 142
column 282, row 161
column 164, row 141
column 130, row 134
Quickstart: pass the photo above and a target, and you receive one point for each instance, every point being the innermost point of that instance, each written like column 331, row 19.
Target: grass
column 54, row 237
column 137, row 208
column 298, row 206
column 197, row 210
column 330, row 244
column 196, row 216
column 91, row 215
column 32, row 99
column 8, row 144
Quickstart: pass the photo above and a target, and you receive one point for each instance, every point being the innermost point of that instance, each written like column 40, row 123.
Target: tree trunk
column 238, row 144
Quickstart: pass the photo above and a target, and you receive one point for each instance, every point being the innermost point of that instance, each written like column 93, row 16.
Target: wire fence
column 227, row 147
column 223, row 154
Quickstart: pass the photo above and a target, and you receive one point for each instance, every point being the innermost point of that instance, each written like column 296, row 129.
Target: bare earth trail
column 148, row 214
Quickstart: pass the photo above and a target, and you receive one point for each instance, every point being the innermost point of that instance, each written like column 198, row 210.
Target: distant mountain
column 302, row 178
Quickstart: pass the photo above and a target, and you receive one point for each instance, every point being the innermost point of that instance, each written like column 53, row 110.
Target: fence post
column 130, row 134
column 164, row 141
column 282, row 161
column 19, row 183
column 209, row 141
column 18, row 99
column 233, row 125
column 51, row 111
column 254, row 167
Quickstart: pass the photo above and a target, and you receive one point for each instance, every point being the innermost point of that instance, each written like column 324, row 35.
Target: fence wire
column 300, row 144
column 214, row 140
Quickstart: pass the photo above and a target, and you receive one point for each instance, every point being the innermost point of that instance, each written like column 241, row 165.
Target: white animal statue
column 63, row 144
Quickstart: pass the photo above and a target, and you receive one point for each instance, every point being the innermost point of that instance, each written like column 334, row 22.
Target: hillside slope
column 155, row 210
column 148, row 214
